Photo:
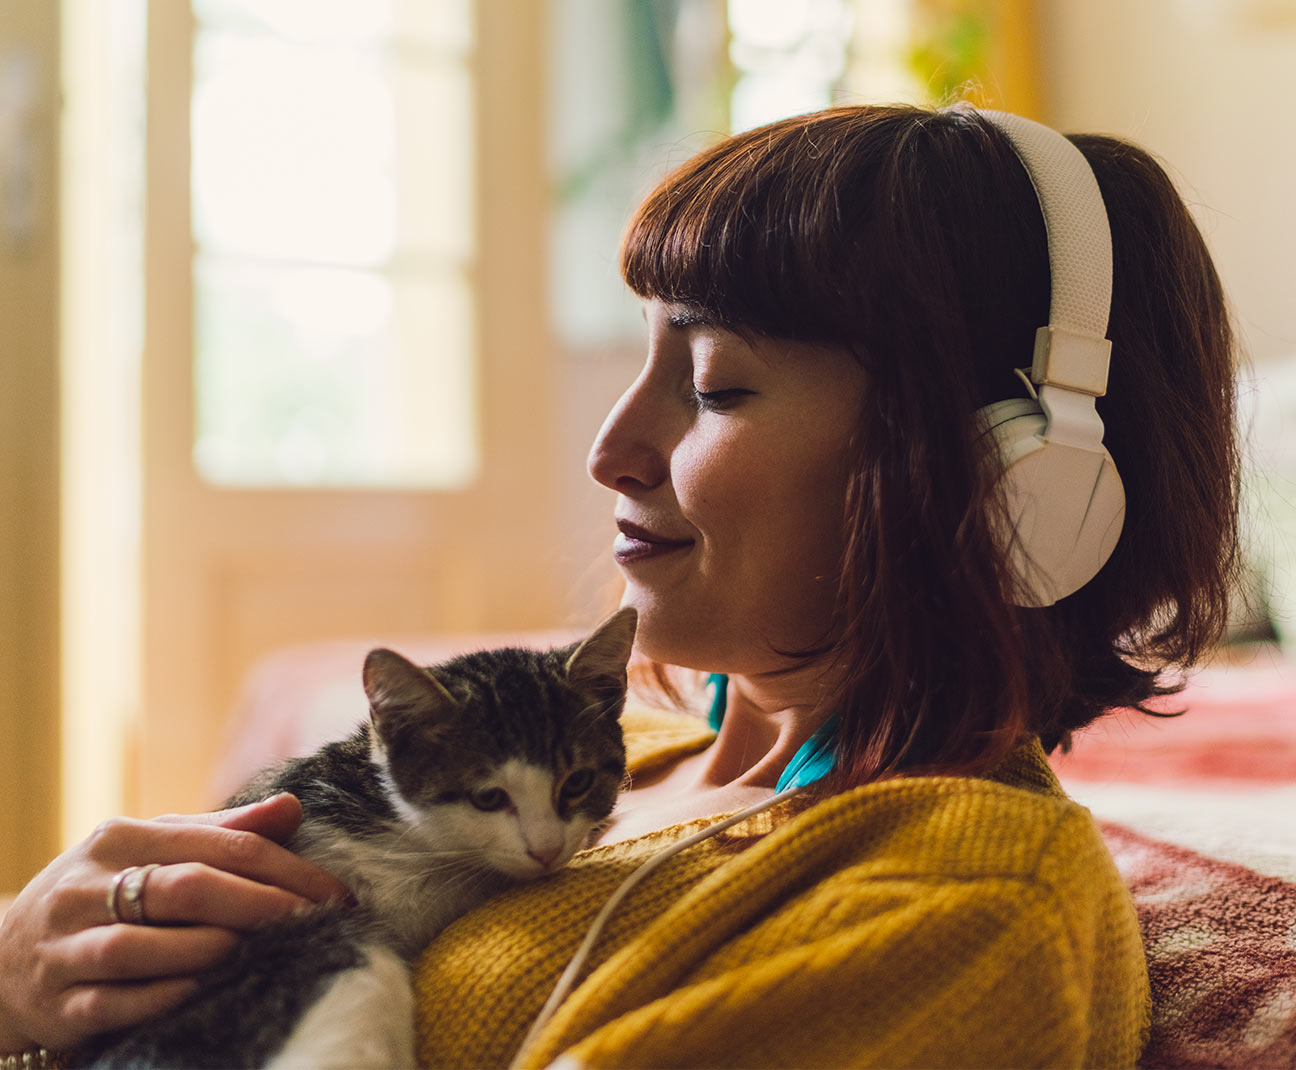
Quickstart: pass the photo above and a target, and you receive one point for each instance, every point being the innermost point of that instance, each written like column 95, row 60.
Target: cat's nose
column 545, row 855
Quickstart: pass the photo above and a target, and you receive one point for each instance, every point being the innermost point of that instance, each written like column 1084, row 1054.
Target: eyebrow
column 691, row 316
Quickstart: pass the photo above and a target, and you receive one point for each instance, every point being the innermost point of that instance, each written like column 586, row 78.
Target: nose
column 545, row 855
column 627, row 454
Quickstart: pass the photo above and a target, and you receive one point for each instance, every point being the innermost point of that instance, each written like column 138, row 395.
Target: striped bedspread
column 1200, row 814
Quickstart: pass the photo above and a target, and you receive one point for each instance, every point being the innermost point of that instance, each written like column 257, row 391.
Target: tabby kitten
column 489, row 768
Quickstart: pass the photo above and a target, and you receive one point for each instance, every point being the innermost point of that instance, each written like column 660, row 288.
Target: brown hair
column 914, row 239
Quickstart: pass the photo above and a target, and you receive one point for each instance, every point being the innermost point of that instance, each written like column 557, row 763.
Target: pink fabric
column 300, row 697
column 1239, row 728
column 1220, row 936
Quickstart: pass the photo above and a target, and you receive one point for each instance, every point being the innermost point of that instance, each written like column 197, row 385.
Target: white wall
column 1206, row 86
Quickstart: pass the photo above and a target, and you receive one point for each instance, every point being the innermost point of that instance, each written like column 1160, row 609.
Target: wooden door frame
column 29, row 470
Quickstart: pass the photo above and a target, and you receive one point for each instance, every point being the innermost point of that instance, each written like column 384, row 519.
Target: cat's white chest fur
column 399, row 879
column 375, row 996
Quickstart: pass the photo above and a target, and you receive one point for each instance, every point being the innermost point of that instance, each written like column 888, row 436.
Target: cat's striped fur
column 492, row 767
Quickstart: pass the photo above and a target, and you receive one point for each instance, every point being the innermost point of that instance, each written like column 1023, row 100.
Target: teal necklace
column 814, row 760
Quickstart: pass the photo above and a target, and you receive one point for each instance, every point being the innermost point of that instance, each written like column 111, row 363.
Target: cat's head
column 508, row 758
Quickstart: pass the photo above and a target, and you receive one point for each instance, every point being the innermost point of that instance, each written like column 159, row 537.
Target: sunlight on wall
column 102, row 287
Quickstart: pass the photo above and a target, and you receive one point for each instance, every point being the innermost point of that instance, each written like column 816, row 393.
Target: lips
column 636, row 543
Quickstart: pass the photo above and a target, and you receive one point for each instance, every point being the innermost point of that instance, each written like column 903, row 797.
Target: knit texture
column 925, row 921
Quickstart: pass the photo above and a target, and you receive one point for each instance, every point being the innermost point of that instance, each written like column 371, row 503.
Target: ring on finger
column 126, row 894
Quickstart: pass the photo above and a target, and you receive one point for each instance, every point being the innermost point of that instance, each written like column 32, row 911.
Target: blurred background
column 309, row 311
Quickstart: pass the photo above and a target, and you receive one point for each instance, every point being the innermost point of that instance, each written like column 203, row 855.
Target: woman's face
column 729, row 462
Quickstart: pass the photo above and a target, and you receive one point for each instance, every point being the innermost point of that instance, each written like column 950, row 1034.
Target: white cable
column 1024, row 375
column 577, row 963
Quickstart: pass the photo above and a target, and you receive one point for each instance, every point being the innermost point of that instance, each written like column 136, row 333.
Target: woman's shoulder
column 1014, row 825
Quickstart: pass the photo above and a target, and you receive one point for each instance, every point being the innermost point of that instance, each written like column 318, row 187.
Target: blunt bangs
column 750, row 231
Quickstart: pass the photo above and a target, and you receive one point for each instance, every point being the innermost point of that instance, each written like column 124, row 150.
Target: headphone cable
column 565, row 983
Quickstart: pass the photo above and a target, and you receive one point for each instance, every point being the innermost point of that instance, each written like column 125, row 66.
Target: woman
column 806, row 502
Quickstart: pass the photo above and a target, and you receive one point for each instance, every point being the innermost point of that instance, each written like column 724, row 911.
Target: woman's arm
column 920, row 922
column 68, row 970
column 983, row 974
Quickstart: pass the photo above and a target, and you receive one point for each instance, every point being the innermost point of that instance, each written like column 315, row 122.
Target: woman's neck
column 767, row 720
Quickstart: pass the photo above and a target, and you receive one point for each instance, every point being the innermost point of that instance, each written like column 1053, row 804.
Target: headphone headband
column 1066, row 502
column 1079, row 236
column 1072, row 352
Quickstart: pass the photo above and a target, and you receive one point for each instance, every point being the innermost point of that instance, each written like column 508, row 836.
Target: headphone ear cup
column 1064, row 505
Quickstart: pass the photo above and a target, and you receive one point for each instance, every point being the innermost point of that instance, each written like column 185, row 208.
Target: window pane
column 434, row 188
column 331, row 377
column 788, row 58
column 332, row 214
column 433, row 24
column 293, row 151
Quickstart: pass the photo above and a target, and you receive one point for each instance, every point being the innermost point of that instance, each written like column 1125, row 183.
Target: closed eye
column 718, row 400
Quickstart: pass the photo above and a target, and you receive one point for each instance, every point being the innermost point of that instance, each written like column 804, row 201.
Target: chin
column 659, row 635
column 679, row 640
column 698, row 650
column 700, row 657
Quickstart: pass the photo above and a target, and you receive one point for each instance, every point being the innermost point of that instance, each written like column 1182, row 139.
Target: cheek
column 575, row 833
column 772, row 512
column 709, row 468
column 467, row 828
column 822, row 519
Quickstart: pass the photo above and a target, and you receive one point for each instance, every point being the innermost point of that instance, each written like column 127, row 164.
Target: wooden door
column 231, row 574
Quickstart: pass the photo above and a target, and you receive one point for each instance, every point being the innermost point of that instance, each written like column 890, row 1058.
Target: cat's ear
column 599, row 660
column 395, row 685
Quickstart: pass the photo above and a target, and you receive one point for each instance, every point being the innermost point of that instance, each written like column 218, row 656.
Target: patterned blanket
column 1200, row 815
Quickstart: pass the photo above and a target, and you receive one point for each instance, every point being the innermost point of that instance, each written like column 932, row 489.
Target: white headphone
column 1066, row 504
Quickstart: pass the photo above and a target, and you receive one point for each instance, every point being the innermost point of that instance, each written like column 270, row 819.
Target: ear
column 396, row 687
column 599, row 661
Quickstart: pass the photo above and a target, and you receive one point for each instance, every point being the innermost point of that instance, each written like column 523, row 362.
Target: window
column 787, row 58
column 332, row 213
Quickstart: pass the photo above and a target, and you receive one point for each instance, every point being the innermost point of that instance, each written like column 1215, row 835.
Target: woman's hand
column 69, row 970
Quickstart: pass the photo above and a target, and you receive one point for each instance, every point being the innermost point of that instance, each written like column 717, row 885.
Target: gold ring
column 127, row 891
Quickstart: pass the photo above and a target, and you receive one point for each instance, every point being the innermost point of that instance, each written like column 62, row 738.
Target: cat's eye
column 489, row 799
column 578, row 783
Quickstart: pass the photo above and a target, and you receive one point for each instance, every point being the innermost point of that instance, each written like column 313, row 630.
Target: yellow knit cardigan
column 924, row 921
